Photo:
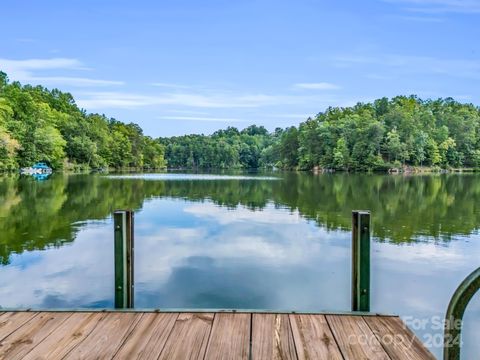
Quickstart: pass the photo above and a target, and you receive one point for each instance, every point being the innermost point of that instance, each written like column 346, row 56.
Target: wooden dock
column 31, row 335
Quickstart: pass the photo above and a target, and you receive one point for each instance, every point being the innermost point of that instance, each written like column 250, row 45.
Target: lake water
column 278, row 241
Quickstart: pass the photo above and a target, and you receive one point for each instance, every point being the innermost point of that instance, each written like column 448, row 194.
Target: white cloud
column 288, row 116
column 208, row 99
column 317, row 86
column 25, row 40
column 170, row 85
column 96, row 100
column 425, row 19
column 416, row 64
column 462, row 97
column 27, row 71
column 188, row 112
column 440, row 6
column 40, row 64
column 201, row 118
column 39, row 71
column 76, row 81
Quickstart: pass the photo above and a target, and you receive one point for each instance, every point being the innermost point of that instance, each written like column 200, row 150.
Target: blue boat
column 41, row 177
column 40, row 168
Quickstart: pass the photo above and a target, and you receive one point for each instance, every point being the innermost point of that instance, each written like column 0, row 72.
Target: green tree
column 341, row 155
column 432, row 152
column 289, row 148
column 393, row 146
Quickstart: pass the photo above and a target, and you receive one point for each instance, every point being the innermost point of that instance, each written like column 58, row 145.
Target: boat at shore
column 39, row 168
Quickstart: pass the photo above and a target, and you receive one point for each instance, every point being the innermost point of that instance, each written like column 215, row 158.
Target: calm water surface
column 278, row 241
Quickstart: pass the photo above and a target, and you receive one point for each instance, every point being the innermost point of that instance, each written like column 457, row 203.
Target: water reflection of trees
column 34, row 215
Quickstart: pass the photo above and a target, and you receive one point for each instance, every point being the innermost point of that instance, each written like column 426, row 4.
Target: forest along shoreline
column 403, row 134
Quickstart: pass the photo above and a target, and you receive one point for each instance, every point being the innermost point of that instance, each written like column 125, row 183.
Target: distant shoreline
column 315, row 171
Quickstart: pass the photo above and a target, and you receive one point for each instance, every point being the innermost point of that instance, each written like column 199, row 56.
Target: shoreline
column 315, row 171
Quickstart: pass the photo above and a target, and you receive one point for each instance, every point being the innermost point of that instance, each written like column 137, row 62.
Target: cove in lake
column 278, row 241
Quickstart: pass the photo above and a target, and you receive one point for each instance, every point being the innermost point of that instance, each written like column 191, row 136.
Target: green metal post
column 124, row 241
column 360, row 260
column 453, row 320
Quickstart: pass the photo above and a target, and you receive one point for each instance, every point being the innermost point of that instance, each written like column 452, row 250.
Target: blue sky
column 185, row 66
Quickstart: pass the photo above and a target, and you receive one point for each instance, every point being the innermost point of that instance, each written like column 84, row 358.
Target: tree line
column 224, row 149
column 37, row 124
column 391, row 133
column 388, row 133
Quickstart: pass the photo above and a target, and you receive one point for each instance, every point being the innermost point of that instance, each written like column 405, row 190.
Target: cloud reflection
column 200, row 255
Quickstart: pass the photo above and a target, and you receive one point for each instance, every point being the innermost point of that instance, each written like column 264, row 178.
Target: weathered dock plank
column 355, row 339
column 106, row 338
column 313, row 338
column 272, row 337
column 65, row 337
column 230, row 337
column 222, row 335
column 24, row 339
column 11, row 321
column 397, row 339
column 189, row 337
column 149, row 337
